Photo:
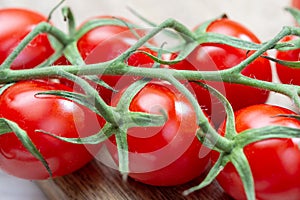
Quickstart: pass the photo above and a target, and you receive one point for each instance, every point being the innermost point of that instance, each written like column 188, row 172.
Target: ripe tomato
column 15, row 25
column 53, row 114
column 213, row 57
column 167, row 155
column 286, row 74
column 296, row 4
column 106, row 43
column 275, row 163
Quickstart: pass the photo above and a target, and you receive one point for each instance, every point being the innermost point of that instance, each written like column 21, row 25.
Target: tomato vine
column 119, row 118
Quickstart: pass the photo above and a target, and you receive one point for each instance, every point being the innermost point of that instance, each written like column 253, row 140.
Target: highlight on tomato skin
column 15, row 24
column 168, row 155
column 214, row 57
column 275, row 163
column 56, row 115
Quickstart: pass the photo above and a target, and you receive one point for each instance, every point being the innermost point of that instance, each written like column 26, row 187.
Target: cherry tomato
column 167, row 155
column 106, row 43
column 275, row 163
column 57, row 115
column 286, row 74
column 296, row 3
column 15, row 25
column 213, row 57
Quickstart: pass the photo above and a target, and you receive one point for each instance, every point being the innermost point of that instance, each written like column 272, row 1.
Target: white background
column 263, row 17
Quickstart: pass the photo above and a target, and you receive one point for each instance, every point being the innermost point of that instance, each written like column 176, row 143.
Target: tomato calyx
column 234, row 153
column 8, row 126
column 237, row 156
column 295, row 13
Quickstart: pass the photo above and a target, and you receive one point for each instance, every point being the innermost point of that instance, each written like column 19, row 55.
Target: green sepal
column 212, row 174
column 76, row 97
column 7, row 126
column 129, row 94
column 72, row 54
column 241, row 164
column 57, row 46
column 122, row 146
column 141, row 119
column 211, row 37
column 253, row 135
column 230, row 118
column 100, row 82
column 69, row 17
column 4, row 87
column 291, row 64
column 288, row 45
column 185, row 50
column 4, row 127
column 203, row 27
column 94, row 23
column 107, row 131
column 295, row 13
column 104, row 110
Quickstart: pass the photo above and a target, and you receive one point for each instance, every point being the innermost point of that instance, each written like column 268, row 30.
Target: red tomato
column 108, row 42
column 286, row 74
column 167, row 155
column 275, row 163
column 15, row 25
column 53, row 114
column 296, row 4
column 213, row 57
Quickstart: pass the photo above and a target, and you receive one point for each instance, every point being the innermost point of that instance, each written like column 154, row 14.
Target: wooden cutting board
column 96, row 181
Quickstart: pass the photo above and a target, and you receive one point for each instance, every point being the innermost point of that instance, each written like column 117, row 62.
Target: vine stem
column 118, row 67
column 202, row 120
column 43, row 27
column 268, row 45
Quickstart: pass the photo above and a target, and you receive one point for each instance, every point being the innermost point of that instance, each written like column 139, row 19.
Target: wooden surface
column 98, row 182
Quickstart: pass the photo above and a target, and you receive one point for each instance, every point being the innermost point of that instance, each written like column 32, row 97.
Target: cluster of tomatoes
column 162, row 156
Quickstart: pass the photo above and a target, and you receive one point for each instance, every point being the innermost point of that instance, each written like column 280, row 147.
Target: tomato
column 15, row 25
column 108, row 42
column 296, row 3
column 213, row 57
column 275, row 163
column 286, row 74
column 167, row 155
column 57, row 115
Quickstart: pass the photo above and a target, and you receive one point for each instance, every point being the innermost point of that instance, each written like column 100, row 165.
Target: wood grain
column 98, row 182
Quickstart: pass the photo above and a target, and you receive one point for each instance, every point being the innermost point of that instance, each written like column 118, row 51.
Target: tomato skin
column 167, row 155
column 286, row 74
column 53, row 114
column 15, row 25
column 295, row 4
column 108, row 42
column 213, row 57
column 275, row 163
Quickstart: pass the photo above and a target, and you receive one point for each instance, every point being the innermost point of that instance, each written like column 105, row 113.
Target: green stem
column 268, row 45
column 241, row 164
column 43, row 27
column 106, row 111
column 170, row 23
column 120, row 68
column 202, row 120
column 68, row 15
